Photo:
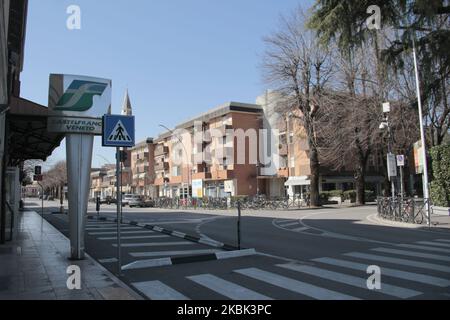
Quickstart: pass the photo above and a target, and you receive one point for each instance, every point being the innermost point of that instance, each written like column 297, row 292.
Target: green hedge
column 440, row 186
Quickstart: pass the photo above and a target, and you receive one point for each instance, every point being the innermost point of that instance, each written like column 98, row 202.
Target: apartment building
column 210, row 155
column 287, row 146
column 142, row 168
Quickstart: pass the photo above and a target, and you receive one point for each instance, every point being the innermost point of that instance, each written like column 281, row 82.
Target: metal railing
column 409, row 210
column 246, row 203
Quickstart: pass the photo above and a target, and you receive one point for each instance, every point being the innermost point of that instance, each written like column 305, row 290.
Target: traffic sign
column 118, row 131
column 37, row 170
column 391, row 165
column 401, row 160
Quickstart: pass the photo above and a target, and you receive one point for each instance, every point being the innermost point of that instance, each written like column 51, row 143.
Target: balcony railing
column 162, row 166
column 161, row 150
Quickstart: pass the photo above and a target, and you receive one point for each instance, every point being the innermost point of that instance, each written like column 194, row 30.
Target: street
column 304, row 254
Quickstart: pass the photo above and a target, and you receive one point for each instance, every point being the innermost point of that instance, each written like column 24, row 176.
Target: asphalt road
column 307, row 254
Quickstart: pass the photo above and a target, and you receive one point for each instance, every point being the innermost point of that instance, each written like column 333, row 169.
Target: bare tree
column 299, row 67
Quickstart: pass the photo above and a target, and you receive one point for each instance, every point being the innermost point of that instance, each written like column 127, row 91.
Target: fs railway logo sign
column 77, row 103
column 118, row 131
column 80, row 95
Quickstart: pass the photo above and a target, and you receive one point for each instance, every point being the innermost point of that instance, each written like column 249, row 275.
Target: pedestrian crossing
column 408, row 271
column 405, row 274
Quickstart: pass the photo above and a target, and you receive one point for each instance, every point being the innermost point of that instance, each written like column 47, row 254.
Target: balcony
column 161, row 181
column 283, row 150
column 161, row 150
column 284, row 172
column 162, row 166
column 201, row 176
column 222, row 175
column 223, row 129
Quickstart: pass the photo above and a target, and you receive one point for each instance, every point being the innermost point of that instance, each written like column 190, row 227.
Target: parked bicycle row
column 410, row 210
column 246, row 203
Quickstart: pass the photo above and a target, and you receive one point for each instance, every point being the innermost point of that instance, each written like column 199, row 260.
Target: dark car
column 108, row 200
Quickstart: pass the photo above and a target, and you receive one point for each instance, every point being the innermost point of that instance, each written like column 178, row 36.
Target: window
column 292, row 162
column 176, row 172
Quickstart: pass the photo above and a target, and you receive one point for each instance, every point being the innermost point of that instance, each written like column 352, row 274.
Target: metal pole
column 426, row 193
column 42, row 206
column 390, row 152
column 119, row 210
column 239, row 225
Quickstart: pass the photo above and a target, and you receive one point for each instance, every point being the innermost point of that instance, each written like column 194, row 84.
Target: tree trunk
column 315, row 168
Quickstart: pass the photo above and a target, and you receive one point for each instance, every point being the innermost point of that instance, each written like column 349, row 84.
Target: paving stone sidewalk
column 34, row 267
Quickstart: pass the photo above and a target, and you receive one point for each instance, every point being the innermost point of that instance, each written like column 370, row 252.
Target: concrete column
column 79, row 158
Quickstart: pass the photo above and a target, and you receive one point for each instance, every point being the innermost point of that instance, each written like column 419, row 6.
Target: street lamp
column 186, row 153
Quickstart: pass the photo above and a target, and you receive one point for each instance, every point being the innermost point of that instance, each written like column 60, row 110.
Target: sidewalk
column 33, row 267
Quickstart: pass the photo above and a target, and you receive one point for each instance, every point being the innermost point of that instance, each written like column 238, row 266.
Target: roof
column 28, row 135
column 215, row 113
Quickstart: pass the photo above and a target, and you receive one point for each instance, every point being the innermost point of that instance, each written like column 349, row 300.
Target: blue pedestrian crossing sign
column 118, row 131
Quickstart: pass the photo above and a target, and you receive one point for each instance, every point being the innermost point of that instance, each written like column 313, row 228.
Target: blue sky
column 178, row 58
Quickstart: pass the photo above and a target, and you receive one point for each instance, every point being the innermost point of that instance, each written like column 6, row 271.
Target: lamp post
column 426, row 193
column 185, row 151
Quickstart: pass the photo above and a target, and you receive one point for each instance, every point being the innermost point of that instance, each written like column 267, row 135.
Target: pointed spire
column 126, row 106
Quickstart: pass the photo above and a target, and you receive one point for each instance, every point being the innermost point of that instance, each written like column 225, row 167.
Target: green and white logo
column 79, row 96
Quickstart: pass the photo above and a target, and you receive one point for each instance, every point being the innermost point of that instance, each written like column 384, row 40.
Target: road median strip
column 169, row 261
column 178, row 234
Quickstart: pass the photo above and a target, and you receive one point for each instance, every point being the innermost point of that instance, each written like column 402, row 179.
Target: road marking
column 283, row 221
column 113, row 228
column 410, row 276
column 387, row 289
column 226, row 288
column 294, row 285
column 209, row 242
column 410, row 263
column 289, row 224
column 300, row 229
column 171, row 253
column 142, row 264
column 434, row 244
column 100, row 233
column 413, row 254
column 155, row 244
column 156, row 290
column 134, row 237
column 443, row 240
column 413, row 246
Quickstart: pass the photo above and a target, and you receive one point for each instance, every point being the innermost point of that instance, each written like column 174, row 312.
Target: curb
column 181, row 235
column 190, row 259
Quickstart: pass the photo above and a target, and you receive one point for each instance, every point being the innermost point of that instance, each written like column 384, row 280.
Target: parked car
column 108, row 200
column 126, row 199
column 136, row 201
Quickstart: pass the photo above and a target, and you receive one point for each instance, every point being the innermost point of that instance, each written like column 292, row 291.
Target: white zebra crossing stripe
column 142, row 264
column 411, row 263
column 410, row 276
column 171, row 253
column 430, row 243
column 426, row 248
column 294, row 285
column 226, row 288
column 101, row 233
column 135, row 237
column 387, row 289
column 156, row 290
column 155, row 244
column 413, row 254
column 443, row 240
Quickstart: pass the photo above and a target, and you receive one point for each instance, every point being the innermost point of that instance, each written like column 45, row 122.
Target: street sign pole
column 119, row 210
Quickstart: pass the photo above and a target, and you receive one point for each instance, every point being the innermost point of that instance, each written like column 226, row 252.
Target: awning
column 298, row 181
column 27, row 132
